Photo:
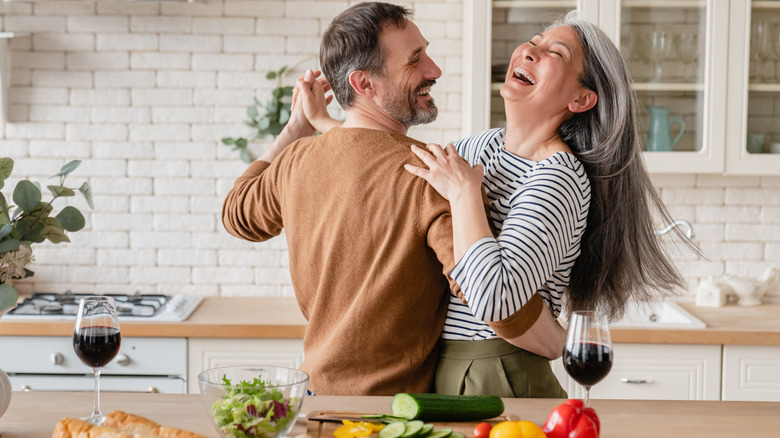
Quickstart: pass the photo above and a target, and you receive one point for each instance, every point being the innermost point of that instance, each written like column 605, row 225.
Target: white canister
column 710, row 293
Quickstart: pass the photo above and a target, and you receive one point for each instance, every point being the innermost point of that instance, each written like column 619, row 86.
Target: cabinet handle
column 635, row 381
column 122, row 360
column 26, row 388
column 57, row 358
column 152, row 390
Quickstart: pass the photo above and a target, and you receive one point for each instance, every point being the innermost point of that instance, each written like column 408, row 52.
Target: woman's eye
column 532, row 43
column 556, row 53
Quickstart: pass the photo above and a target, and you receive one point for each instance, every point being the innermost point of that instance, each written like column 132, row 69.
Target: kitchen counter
column 34, row 414
column 280, row 318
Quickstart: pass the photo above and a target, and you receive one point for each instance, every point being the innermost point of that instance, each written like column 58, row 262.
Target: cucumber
column 438, row 407
column 441, row 433
column 426, row 430
column 457, row 435
column 393, row 430
column 413, row 428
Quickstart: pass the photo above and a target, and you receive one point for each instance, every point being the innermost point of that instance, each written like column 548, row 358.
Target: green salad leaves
column 249, row 410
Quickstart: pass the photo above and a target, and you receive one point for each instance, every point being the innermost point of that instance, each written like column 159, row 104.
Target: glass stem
column 587, row 396
column 96, row 409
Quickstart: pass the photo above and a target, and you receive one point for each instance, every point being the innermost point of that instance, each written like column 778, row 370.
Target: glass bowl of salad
column 253, row 401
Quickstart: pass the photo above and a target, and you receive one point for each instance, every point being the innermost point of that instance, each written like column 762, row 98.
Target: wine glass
column 687, row 48
column 96, row 340
column 587, row 356
column 658, row 46
column 761, row 47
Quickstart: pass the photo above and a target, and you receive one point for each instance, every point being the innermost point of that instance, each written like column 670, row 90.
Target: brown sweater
column 370, row 246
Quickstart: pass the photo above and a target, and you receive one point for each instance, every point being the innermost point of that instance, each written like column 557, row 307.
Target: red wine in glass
column 97, row 346
column 588, row 363
column 96, row 340
column 587, row 356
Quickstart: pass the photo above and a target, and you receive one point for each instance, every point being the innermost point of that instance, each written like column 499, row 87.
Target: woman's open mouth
column 523, row 76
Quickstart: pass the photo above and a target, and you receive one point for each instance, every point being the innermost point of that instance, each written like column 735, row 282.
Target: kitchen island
column 34, row 414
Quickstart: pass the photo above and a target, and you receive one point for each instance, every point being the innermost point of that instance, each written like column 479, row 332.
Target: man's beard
column 404, row 108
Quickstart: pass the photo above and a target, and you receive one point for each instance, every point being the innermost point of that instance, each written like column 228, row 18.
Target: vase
column 5, row 382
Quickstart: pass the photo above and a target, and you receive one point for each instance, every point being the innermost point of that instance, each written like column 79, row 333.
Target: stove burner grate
column 67, row 303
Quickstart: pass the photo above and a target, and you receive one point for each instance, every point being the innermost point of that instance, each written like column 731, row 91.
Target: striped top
column 540, row 208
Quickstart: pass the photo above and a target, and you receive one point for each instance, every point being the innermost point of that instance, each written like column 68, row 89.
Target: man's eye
column 532, row 43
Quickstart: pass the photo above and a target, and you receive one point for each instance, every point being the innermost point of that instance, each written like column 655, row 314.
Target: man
column 370, row 244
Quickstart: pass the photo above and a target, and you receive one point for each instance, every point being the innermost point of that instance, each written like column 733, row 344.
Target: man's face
column 409, row 75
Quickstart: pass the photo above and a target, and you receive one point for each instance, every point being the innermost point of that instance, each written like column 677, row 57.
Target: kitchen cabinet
column 751, row 372
column 655, row 372
column 207, row 353
column 690, row 61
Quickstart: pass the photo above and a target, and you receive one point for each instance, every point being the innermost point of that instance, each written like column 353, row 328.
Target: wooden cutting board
column 321, row 424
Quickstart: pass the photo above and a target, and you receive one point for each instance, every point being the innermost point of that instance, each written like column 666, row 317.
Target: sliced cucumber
column 441, row 433
column 457, row 435
column 393, row 430
column 437, row 407
column 426, row 430
column 413, row 428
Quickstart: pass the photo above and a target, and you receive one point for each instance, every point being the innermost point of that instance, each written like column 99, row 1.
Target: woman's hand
column 447, row 172
column 309, row 93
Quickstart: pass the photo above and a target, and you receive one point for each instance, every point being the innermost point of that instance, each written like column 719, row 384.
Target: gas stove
column 136, row 307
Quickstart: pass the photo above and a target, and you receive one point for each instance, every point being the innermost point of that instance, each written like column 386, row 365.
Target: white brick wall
column 142, row 92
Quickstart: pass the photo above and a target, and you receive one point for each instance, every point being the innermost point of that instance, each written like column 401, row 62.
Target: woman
column 569, row 192
column 570, row 149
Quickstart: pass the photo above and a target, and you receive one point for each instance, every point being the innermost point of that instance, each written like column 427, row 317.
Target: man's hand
column 310, row 93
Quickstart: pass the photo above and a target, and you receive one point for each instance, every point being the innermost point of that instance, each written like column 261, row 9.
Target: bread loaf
column 118, row 424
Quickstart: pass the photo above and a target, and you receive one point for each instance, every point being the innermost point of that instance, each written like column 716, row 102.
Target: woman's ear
column 586, row 100
column 361, row 82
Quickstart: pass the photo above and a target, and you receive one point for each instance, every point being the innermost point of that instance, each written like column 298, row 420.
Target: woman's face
column 545, row 71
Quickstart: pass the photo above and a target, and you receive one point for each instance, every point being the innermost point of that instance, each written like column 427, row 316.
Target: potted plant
column 275, row 115
column 25, row 219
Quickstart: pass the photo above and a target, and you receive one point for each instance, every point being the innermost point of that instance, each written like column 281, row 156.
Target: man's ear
column 585, row 101
column 361, row 82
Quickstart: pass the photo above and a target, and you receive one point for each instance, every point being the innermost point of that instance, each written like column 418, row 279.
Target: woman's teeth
column 523, row 76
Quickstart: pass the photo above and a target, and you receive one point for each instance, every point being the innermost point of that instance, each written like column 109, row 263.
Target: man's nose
column 432, row 70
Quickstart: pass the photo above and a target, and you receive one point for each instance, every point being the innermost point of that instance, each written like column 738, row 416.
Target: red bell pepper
column 572, row 419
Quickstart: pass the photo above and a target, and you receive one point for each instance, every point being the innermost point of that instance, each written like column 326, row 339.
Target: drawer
column 163, row 385
column 55, row 355
column 751, row 373
column 656, row 372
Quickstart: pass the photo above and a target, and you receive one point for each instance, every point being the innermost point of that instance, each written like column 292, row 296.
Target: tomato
column 482, row 430
column 516, row 429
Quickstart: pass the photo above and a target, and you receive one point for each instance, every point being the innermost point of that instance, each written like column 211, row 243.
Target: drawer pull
column 635, row 381
column 26, row 388
column 57, row 358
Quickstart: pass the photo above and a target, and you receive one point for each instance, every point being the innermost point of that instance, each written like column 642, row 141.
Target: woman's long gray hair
column 622, row 258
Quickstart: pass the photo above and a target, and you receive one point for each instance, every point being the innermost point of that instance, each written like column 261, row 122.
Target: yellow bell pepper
column 357, row 429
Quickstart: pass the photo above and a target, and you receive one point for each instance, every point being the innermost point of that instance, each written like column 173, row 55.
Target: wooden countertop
column 281, row 318
column 34, row 414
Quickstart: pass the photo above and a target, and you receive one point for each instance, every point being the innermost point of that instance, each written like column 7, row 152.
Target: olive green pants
column 496, row 367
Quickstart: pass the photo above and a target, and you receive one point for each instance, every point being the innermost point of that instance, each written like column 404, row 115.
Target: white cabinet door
column 211, row 353
column 751, row 372
column 655, row 372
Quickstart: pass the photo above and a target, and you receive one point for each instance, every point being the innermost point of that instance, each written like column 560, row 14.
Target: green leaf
column 54, row 234
column 228, row 141
column 4, row 208
column 61, row 191
column 271, row 75
column 282, row 70
column 6, row 167
column 86, row 191
column 27, row 195
column 287, row 91
column 68, row 168
column 251, row 111
column 5, row 230
column 257, row 102
column 275, row 128
column 8, row 296
column 264, row 124
column 284, row 115
column 241, row 143
column 71, row 219
column 9, row 245
column 245, row 156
